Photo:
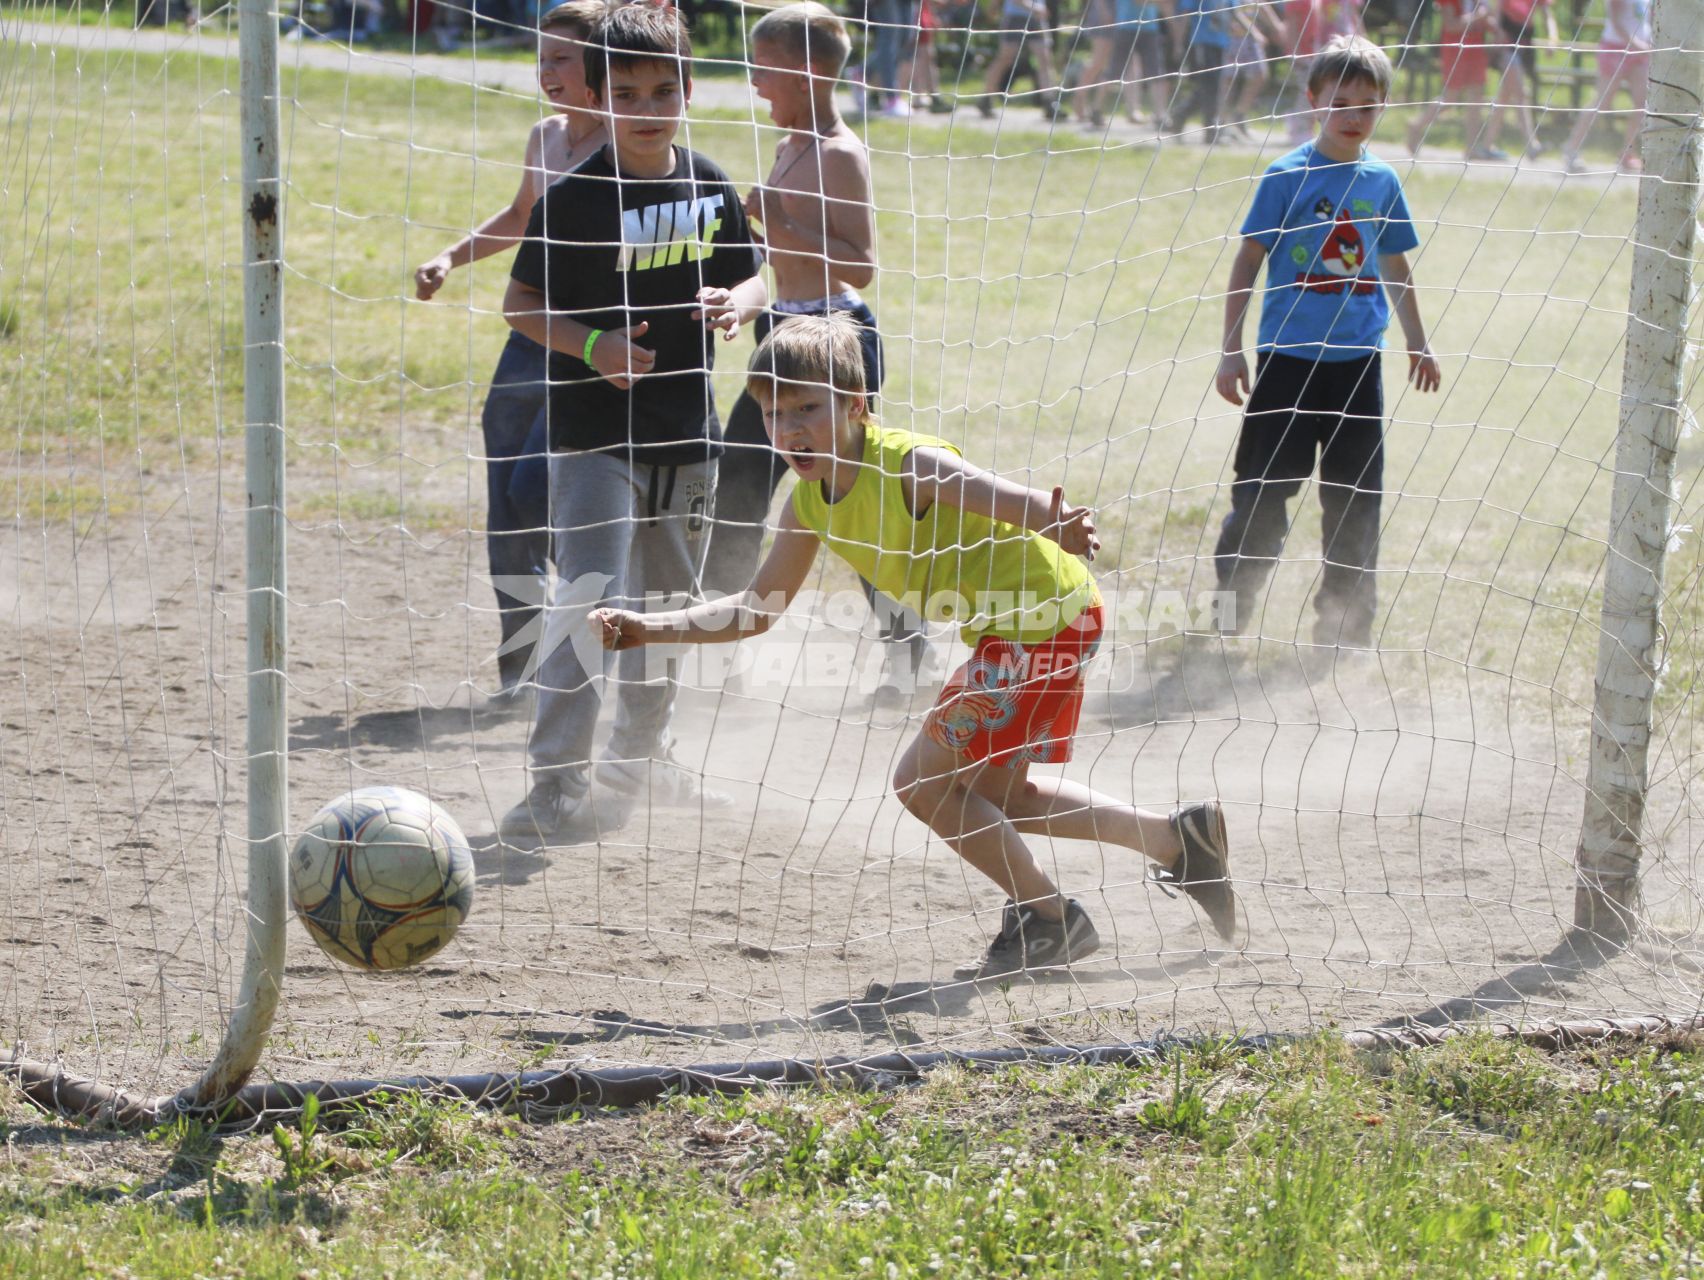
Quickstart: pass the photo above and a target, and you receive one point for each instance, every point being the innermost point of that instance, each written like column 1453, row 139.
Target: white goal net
column 1403, row 819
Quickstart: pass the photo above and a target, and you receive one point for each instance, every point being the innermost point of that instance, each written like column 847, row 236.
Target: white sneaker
column 661, row 780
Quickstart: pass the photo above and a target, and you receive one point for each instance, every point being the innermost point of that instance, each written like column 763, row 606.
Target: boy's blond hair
column 1350, row 60
column 809, row 34
column 808, row 351
column 575, row 18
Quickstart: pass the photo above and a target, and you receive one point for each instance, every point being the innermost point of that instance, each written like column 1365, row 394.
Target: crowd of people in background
column 1209, row 68
column 1223, row 64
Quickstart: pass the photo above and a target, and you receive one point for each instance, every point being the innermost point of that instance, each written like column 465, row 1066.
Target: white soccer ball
column 382, row 878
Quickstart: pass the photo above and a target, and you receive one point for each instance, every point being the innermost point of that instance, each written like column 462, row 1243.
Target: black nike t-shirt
column 614, row 250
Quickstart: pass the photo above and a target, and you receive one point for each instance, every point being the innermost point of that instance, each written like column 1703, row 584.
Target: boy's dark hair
column 630, row 34
column 1350, row 60
column 808, row 351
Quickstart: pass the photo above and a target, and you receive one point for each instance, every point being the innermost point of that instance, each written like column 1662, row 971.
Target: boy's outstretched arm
column 1423, row 369
column 937, row 475
column 730, row 310
column 750, row 613
column 1232, row 377
column 502, row 230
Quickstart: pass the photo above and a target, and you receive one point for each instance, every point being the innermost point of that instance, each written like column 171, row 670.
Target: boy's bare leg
column 1636, row 86
column 1069, row 810
column 1044, row 77
column 1588, row 117
column 1092, row 93
column 1130, row 95
column 1521, row 102
column 1606, row 99
column 1425, row 120
column 917, row 73
column 995, row 81
column 1509, row 94
column 1472, row 121
column 983, row 811
column 1630, row 156
column 932, row 783
column 1160, row 94
column 1248, row 97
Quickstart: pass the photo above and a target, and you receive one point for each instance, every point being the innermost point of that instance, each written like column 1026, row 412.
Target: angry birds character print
column 1343, row 253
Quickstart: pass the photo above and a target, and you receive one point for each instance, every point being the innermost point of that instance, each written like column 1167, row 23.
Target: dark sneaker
column 545, row 811
column 1342, row 624
column 1342, row 635
column 1230, row 613
column 1029, row 941
column 1203, row 869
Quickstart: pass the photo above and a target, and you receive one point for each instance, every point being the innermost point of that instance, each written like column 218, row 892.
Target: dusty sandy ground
column 1403, row 835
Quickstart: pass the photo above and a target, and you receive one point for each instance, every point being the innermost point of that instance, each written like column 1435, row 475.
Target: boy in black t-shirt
column 629, row 262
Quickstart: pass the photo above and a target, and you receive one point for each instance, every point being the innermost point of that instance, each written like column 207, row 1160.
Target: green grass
column 368, row 507
column 35, row 505
column 1480, row 1158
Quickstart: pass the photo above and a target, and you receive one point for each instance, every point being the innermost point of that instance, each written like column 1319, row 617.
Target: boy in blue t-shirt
column 1332, row 226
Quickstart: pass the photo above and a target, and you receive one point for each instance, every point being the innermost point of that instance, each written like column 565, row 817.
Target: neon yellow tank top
column 990, row 577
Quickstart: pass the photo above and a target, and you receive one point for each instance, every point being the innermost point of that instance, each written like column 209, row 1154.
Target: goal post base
column 48, row 1087
column 1606, row 912
column 543, row 1095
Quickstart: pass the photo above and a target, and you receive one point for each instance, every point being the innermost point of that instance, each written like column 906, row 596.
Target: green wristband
column 591, row 341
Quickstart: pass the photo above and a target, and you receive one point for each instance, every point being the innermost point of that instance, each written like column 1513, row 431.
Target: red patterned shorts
column 1018, row 703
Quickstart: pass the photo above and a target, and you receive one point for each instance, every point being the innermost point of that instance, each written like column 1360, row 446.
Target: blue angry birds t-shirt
column 1324, row 224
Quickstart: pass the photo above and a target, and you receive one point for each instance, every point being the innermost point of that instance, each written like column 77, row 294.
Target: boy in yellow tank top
column 1004, row 562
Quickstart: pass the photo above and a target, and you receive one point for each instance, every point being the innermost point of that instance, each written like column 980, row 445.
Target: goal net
column 1403, row 819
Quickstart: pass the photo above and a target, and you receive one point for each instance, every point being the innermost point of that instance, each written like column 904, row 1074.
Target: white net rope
column 1050, row 293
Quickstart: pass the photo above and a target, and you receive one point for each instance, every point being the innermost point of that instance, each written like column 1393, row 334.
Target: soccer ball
column 382, row 878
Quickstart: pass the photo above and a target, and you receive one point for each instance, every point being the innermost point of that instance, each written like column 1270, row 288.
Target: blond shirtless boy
column 819, row 228
column 516, row 477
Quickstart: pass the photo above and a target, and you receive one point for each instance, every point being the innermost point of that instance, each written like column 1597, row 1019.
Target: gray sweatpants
column 623, row 531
